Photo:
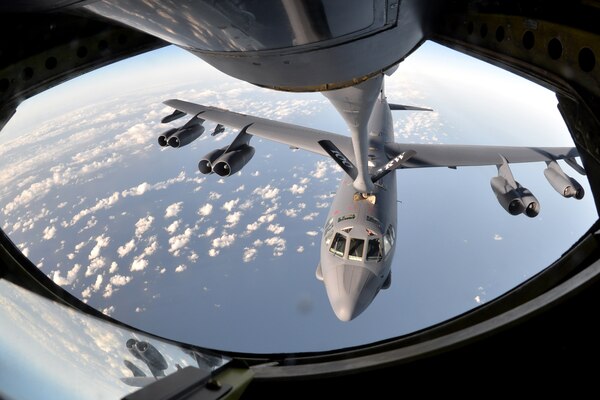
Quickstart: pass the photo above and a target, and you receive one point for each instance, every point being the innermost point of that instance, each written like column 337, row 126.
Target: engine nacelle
column 163, row 140
column 149, row 354
column 233, row 161
column 562, row 183
column 186, row 135
column 515, row 200
column 206, row 163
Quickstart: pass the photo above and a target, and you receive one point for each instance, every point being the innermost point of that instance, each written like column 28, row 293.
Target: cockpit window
column 388, row 240
column 355, row 252
column 338, row 245
column 374, row 251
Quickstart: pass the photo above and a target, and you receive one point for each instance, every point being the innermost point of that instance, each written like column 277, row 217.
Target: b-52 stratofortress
column 359, row 236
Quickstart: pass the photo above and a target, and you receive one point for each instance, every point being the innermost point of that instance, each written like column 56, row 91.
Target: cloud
column 143, row 225
column 312, row 233
column 108, row 310
column 173, row 210
column 178, row 242
column 113, row 268
column 224, row 240
column 137, row 190
column 498, row 237
column 101, row 241
column 310, row 217
column 122, row 251
column 209, row 231
column 173, row 227
column 297, row 189
column 300, row 249
column 230, row 204
column 249, row 254
column 214, row 196
column 233, row 219
column 266, row 192
column 87, row 292
column 96, row 264
column 104, row 203
column 239, row 189
column 255, row 173
column 69, row 279
column 152, row 246
column 278, row 244
column 213, row 252
column 276, row 229
column 320, row 169
column 261, row 220
column 49, row 232
column 139, row 264
column 181, row 268
column 205, row 210
column 120, row 280
column 193, row 257
column 304, row 181
column 291, row 212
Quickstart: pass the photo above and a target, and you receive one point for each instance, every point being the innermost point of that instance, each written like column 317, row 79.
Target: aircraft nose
column 350, row 289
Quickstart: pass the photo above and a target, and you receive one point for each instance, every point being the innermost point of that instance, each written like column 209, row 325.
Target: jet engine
column 163, row 140
column 233, row 161
column 561, row 182
column 206, row 163
column 513, row 197
column 186, row 135
column 149, row 354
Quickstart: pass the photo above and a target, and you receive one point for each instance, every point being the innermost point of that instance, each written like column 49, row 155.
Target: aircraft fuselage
column 358, row 239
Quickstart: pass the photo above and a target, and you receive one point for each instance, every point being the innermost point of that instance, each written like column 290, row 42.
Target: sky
column 137, row 232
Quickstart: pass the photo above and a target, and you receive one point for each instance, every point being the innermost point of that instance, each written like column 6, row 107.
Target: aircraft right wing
column 293, row 135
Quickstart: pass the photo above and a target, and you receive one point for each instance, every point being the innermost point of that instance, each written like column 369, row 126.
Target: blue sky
column 232, row 265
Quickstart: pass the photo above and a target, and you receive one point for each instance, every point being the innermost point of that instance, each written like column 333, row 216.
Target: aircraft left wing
column 282, row 132
column 446, row 155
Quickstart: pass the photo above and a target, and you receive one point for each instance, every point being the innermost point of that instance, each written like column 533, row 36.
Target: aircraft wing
column 293, row 135
column 445, row 155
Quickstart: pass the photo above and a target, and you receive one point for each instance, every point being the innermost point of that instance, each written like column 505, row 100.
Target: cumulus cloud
column 300, row 249
column 233, row 219
column 96, row 264
column 173, row 210
column 101, row 241
column 119, row 280
column 224, row 240
column 87, row 292
column 179, row 241
column 320, row 169
column 297, row 189
column 278, row 244
column 249, row 254
column 104, row 203
column 312, row 233
column 498, row 237
column 152, row 246
column 69, row 279
column 276, row 228
column 209, row 231
column 291, row 212
column 143, row 225
column 213, row 252
column 266, row 192
column 239, row 189
column 122, row 251
column 181, row 268
column 173, row 227
column 205, row 210
column 214, row 196
column 139, row 264
column 228, row 205
column 113, row 268
column 137, row 190
column 261, row 220
column 49, row 232
column 310, row 217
